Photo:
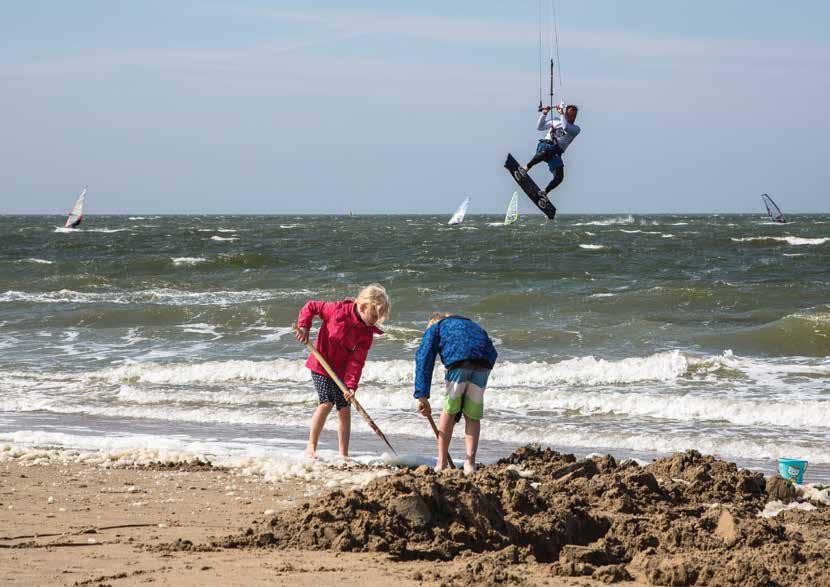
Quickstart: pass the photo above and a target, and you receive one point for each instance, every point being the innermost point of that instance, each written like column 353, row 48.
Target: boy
column 468, row 355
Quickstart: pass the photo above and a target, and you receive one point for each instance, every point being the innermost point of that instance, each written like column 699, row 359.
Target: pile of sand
column 683, row 520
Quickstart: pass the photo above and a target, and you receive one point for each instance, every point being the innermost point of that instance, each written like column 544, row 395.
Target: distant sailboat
column 773, row 211
column 458, row 217
column 77, row 213
column 512, row 214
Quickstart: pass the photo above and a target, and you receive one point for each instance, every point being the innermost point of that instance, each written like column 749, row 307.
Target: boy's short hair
column 573, row 107
column 376, row 297
column 436, row 317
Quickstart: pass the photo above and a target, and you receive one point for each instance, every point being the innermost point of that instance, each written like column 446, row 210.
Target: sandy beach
column 542, row 519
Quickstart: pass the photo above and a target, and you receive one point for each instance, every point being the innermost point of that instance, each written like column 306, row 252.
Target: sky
column 221, row 107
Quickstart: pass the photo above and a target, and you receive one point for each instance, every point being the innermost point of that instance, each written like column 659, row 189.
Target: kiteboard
column 529, row 187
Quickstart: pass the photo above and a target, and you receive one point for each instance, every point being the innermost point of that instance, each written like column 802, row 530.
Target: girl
column 344, row 340
column 468, row 355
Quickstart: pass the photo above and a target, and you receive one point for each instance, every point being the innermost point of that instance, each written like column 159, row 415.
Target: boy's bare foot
column 440, row 467
column 469, row 467
column 310, row 453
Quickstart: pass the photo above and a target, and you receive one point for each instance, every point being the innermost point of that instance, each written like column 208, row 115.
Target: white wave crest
column 792, row 240
column 608, row 222
column 222, row 238
column 188, row 260
column 34, row 260
column 580, row 371
column 161, row 296
column 592, row 247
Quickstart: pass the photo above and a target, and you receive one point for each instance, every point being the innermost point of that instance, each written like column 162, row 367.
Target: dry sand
column 537, row 518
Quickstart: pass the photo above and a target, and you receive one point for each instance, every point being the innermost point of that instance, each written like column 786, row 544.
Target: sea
column 632, row 335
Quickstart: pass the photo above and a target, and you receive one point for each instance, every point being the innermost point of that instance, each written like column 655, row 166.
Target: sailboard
column 512, row 213
column 458, row 217
column 773, row 211
column 77, row 214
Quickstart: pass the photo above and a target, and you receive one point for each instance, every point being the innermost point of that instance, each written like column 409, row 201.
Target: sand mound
column 683, row 520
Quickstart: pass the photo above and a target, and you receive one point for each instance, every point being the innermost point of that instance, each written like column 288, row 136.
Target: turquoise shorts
column 465, row 392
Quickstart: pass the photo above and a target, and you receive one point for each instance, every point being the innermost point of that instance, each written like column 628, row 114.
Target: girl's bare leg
column 344, row 429
column 318, row 420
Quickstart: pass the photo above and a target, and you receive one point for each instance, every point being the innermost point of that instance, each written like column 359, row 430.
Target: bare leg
column 445, row 427
column 344, row 429
column 472, row 431
column 318, row 420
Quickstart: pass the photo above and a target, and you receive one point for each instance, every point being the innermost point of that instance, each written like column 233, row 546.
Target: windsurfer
column 561, row 131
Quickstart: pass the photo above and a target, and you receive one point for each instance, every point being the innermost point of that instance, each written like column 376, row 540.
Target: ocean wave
column 37, row 261
column 608, row 222
column 222, row 238
column 792, row 240
column 188, row 260
column 805, row 334
column 592, row 247
column 80, row 230
column 664, row 366
column 161, row 296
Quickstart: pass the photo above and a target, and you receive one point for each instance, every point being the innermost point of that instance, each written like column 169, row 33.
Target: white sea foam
column 188, row 260
column 592, row 247
column 162, row 296
column 26, row 448
column 773, row 508
column 608, row 222
column 222, row 238
column 580, row 371
column 34, row 260
column 792, row 240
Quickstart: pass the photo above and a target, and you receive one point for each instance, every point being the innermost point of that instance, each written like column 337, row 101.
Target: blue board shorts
column 555, row 160
column 465, row 392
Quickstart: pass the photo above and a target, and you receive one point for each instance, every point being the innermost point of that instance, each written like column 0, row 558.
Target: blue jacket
column 455, row 339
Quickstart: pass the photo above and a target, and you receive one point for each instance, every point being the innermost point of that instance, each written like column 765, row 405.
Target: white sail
column 458, row 217
column 77, row 213
column 512, row 209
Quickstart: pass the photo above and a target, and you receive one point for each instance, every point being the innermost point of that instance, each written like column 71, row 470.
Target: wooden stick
column 437, row 437
column 345, row 390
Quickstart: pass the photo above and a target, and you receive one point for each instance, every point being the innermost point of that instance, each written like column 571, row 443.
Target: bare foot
column 469, row 467
column 310, row 453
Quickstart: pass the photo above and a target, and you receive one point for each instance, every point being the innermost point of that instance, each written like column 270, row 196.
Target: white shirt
column 559, row 130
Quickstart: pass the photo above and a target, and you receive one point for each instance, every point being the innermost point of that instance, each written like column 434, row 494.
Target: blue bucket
column 792, row 469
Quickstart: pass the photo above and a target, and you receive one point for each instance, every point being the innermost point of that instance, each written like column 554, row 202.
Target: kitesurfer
column 561, row 131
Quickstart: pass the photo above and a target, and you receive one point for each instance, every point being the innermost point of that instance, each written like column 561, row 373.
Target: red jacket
column 344, row 339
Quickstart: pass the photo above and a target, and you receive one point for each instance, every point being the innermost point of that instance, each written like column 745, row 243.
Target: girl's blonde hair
column 436, row 317
column 375, row 296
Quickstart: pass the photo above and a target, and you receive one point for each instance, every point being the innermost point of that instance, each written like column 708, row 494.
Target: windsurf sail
column 773, row 211
column 458, row 217
column 77, row 213
column 512, row 209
